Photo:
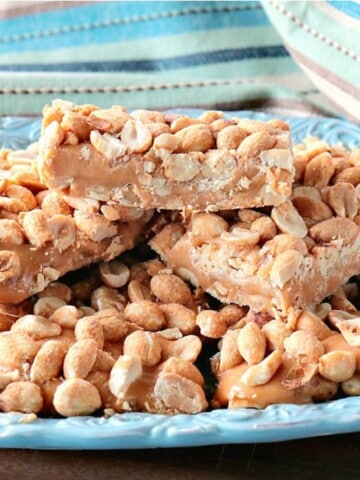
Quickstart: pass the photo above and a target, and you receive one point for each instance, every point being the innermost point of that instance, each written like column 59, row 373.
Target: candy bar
column 148, row 159
column 44, row 234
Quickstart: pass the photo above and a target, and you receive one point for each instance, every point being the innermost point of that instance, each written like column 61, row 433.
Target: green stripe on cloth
column 167, row 46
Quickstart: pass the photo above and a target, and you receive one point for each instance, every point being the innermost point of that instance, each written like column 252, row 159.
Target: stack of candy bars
column 161, row 263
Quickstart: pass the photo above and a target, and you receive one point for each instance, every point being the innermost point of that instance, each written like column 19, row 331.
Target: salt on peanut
column 232, row 314
column 275, row 332
column 137, row 291
column 17, row 348
column 319, row 170
column 104, row 361
column 311, row 323
column 113, row 324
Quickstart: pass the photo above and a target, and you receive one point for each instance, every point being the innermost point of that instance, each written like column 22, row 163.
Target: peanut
column 184, row 368
column 24, row 397
column 178, row 316
column 114, row 274
column 195, row 138
column 146, row 345
column 255, row 143
column 262, row 372
column 179, row 394
column 337, row 227
column 48, row 361
column 302, row 344
column 285, row 267
column 211, row 324
column 288, row 220
column 9, row 265
column 126, row 370
column 319, row 171
column 252, row 343
column 75, row 397
column 80, row 359
column 136, row 136
column 337, row 366
column 169, row 288
column 206, row 226
column 145, row 314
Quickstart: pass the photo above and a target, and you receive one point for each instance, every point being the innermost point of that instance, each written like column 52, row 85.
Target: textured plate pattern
column 141, row 430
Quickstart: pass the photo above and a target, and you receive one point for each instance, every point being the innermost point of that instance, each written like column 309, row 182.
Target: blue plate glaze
column 143, row 430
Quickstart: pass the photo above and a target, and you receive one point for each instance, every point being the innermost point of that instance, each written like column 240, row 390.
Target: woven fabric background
column 228, row 54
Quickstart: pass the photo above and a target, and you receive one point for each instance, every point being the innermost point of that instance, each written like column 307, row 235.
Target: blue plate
column 143, row 430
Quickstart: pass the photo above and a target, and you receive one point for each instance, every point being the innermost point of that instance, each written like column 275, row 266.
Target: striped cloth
column 324, row 39
column 223, row 55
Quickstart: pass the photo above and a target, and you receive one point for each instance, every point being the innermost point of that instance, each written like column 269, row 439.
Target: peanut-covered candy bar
column 123, row 339
column 44, row 234
column 280, row 260
column 263, row 360
column 147, row 159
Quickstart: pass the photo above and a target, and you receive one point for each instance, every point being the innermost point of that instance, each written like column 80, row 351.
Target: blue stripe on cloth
column 106, row 24
column 182, row 61
column 352, row 9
